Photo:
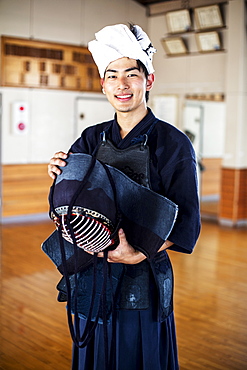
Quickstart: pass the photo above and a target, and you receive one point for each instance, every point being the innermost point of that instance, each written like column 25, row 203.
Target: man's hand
column 124, row 253
column 56, row 160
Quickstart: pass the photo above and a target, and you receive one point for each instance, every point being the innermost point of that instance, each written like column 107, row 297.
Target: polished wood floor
column 210, row 302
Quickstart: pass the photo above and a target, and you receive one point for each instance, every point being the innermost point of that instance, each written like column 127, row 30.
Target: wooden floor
column 210, row 302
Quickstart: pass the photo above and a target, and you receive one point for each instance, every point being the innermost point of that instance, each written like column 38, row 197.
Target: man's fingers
column 58, row 160
column 61, row 155
column 122, row 237
column 51, row 174
column 53, row 171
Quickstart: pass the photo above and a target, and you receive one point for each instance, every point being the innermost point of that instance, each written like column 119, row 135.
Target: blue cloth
column 145, row 232
column 146, row 339
column 142, row 343
column 172, row 170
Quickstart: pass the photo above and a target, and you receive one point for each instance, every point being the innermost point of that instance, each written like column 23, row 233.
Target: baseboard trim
column 37, row 217
column 230, row 223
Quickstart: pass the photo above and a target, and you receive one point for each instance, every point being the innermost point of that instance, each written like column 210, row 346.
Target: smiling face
column 125, row 86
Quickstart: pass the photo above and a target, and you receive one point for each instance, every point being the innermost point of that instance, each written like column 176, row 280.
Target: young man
column 145, row 332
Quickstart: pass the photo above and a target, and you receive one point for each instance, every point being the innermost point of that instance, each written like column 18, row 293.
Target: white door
column 91, row 110
column 193, row 127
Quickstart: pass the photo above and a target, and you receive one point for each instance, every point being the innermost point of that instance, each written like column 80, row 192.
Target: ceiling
column 149, row 2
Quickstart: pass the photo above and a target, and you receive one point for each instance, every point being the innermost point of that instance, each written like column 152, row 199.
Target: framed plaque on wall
column 207, row 17
column 208, row 41
column 178, row 21
column 174, row 46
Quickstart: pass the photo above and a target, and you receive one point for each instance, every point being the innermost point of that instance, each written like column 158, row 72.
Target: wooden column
column 233, row 206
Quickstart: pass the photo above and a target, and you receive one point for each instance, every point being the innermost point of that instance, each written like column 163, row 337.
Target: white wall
column 69, row 21
column 206, row 120
column 195, row 73
column 75, row 22
column 52, row 113
column 213, row 129
column 222, row 72
column 236, row 87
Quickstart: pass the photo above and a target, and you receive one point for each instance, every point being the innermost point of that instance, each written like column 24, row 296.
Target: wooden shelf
column 196, row 53
column 38, row 64
column 193, row 31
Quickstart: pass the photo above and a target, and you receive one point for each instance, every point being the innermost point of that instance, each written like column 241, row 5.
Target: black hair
column 142, row 68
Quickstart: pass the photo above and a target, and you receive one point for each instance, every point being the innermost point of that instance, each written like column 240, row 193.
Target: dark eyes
column 129, row 75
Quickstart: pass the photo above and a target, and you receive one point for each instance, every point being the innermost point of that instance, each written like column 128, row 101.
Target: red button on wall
column 21, row 126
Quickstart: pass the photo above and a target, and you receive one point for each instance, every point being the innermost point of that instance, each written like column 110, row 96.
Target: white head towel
column 115, row 42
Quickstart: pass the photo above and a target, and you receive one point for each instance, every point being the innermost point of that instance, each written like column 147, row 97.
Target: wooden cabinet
column 38, row 64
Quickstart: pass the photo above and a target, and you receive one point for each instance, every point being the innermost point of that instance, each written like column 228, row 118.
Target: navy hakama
column 144, row 342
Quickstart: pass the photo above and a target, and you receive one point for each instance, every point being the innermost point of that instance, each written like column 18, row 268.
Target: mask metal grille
column 92, row 230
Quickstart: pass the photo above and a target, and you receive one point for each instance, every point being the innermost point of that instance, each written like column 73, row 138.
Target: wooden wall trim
column 233, row 203
column 211, row 177
column 25, row 189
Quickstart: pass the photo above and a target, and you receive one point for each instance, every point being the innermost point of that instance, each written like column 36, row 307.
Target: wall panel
column 211, row 177
column 233, row 203
column 25, row 189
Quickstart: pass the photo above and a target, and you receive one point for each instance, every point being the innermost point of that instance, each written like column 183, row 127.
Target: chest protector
column 133, row 161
